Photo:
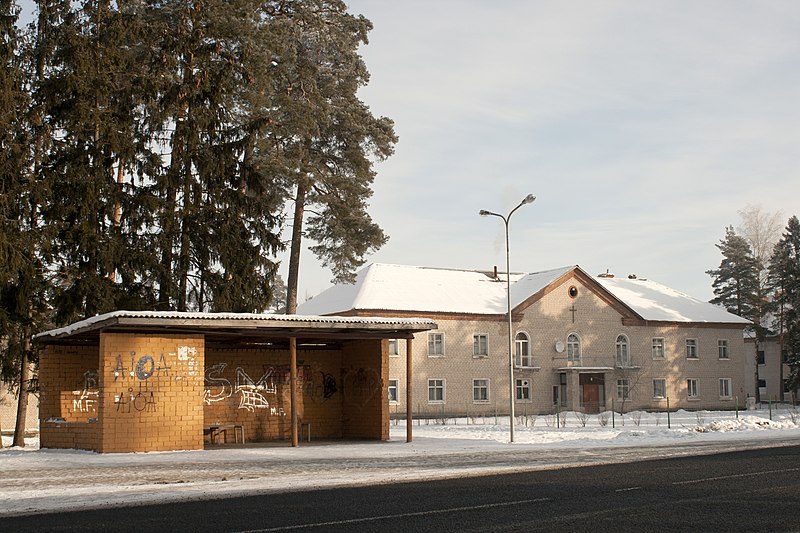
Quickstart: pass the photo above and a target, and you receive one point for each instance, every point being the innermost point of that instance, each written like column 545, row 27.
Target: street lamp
column 511, row 388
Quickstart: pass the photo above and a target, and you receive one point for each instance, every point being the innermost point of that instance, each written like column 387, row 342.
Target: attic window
column 573, row 291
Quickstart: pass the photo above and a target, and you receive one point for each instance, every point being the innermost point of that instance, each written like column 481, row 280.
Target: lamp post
column 511, row 389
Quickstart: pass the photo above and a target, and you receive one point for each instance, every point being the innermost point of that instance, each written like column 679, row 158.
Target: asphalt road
column 755, row 490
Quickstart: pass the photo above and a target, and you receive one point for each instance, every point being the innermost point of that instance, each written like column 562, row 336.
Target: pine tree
column 784, row 271
column 328, row 136
column 735, row 282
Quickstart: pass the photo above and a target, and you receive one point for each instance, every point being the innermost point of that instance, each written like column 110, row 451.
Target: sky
column 57, row 480
column 641, row 127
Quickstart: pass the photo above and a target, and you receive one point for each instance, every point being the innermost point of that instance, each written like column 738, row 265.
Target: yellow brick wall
column 251, row 388
column 68, row 398
column 364, row 376
column 151, row 392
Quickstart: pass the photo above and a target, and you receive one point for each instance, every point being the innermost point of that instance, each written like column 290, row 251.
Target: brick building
column 580, row 342
column 147, row 381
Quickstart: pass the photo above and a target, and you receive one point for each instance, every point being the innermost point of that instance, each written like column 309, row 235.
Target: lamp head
column 484, row 213
column 529, row 199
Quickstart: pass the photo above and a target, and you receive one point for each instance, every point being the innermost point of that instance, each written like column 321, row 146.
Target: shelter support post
column 409, row 425
column 293, row 388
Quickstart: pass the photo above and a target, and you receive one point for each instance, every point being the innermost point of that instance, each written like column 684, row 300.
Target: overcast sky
column 641, row 127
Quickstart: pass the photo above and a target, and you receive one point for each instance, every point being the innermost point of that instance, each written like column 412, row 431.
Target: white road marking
column 400, row 515
column 733, row 476
column 628, row 489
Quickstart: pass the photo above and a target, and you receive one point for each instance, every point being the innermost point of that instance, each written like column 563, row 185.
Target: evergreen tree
column 91, row 91
column 736, row 285
column 784, row 271
column 23, row 192
column 328, row 137
column 216, row 205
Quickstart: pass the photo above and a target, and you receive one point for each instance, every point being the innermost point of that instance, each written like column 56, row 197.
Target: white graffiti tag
column 217, row 388
column 252, row 392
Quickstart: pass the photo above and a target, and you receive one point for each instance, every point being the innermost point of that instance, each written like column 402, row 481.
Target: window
column 523, row 389
column 658, row 348
column 435, row 344
column 573, row 347
column 392, row 391
column 691, row 348
column 480, row 345
column 659, row 388
column 725, row 388
column 722, row 348
column 623, row 355
column 691, row 389
column 393, row 347
column 435, row 391
column 523, row 349
column 480, row 390
column 623, row 389
column 760, row 356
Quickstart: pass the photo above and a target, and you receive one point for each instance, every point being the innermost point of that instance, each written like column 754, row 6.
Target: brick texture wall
column 365, row 409
column 151, row 392
column 251, row 388
column 68, row 397
column 550, row 320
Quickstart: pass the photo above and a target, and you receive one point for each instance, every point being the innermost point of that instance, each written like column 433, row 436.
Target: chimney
column 495, row 272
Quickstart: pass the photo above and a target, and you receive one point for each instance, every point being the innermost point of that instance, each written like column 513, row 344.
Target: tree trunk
column 294, row 253
column 24, row 381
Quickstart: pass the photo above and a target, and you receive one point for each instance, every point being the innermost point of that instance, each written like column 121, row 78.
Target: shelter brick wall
column 365, row 408
column 68, row 397
column 151, row 391
column 251, row 388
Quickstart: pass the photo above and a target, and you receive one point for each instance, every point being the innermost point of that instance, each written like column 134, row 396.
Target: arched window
column 623, row 354
column 573, row 347
column 523, row 349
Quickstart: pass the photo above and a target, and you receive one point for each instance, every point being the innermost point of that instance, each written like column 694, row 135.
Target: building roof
column 241, row 326
column 412, row 289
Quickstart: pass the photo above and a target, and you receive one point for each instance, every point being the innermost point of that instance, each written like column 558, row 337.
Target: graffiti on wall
column 360, row 386
column 252, row 393
column 139, row 400
column 263, row 393
column 85, row 400
column 143, row 374
column 216, row 388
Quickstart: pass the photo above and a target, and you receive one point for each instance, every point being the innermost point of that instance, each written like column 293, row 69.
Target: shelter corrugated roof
column 239, row 324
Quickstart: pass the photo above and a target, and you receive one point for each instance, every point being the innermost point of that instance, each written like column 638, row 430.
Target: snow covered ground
column 34, row 480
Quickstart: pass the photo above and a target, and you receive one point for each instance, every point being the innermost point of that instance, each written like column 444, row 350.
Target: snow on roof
column 98, row 321
column 411, row 288
column 653, row 301
column 438, row 290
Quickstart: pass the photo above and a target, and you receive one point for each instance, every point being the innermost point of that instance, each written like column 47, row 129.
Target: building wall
column 769, row 369
column 548, row 322
column 251, row 388
column 151, row 392
column 68, row 397
column 365, row 406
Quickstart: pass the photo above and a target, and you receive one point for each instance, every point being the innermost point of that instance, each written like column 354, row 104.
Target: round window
column 573, row 291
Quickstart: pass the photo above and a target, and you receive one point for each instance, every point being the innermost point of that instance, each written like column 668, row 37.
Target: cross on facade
column 573, row 312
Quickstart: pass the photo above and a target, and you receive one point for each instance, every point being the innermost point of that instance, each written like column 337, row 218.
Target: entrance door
column 591, row 398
